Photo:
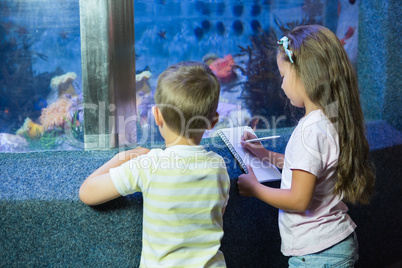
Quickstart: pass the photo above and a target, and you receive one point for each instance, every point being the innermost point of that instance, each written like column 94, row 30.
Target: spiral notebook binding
column 233, row 151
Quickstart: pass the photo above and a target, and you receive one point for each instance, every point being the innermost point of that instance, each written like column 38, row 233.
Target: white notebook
column 264, row 171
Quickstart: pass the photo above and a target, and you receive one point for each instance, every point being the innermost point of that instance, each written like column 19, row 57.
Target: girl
column 326, row 158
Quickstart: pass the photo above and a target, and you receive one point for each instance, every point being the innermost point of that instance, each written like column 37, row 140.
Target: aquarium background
column 40, row 76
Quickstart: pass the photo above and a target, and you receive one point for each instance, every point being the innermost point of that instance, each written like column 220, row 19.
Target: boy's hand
column 247, row 183
column 254, row 148
column 98, row 188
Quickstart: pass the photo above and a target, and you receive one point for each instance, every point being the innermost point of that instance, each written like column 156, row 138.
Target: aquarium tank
column 41, row 87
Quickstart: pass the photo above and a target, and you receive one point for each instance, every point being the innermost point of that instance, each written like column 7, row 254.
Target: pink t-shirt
column 314, row 147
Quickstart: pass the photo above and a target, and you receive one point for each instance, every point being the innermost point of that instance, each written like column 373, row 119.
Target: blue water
column 180, row 19
column 54, row 27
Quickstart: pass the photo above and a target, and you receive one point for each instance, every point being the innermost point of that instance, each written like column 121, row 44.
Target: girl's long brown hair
column 321, row 62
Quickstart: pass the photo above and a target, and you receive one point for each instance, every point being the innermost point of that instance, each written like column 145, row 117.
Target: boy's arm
column 98, row 188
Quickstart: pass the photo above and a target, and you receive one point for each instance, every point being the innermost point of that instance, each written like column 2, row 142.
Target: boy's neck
column 180, row 140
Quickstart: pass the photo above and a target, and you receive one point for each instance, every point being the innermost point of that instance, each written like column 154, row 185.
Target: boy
column 185, row 188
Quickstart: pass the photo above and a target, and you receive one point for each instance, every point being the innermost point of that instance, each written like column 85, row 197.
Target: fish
column 162, row 34
column 63, row 35
column 223, row 68
column 41, row 103
column 21, row 31
column 349, row 33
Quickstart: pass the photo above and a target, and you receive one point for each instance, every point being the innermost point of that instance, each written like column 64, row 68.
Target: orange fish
column 162, row 34
column 223, row 68
column 349, row 33
column 63, row 35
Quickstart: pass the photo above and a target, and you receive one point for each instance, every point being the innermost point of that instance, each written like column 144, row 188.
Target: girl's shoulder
column 316, row 121
column 317, row 129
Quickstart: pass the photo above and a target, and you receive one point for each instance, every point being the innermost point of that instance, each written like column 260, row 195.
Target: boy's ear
column 214, row 121
column 157, row 115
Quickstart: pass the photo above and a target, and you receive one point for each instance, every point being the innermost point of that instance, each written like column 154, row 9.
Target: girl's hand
column 247, row 183
column 254, row 148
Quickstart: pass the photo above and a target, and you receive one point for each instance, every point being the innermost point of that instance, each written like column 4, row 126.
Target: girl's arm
column 98, row 188
column 260, row 152
column 297, row 199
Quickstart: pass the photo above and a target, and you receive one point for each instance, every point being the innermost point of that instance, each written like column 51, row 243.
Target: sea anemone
column 223, row 69
column 30, row 129
column 63, row 84
column 56, row 113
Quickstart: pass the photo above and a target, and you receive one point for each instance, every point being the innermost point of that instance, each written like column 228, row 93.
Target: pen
column 263, row 139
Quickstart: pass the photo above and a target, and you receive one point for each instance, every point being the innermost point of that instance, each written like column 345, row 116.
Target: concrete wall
column 379, row 60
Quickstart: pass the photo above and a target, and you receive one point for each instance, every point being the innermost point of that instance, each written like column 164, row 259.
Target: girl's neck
column 309, row 107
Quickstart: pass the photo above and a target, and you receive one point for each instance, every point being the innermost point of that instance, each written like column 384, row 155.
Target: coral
column 262, row 93
column 10, row 143
column 232, row 115
column 145, row 74
column 30, row 129
column 141, row 80
column 209, row 58
column 63, row 84
column 143, row 99
column 21, row 86
column 223, row 69
column 56, row 114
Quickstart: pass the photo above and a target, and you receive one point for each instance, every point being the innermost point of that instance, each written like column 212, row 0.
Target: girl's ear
column 157, row 115
column 214, row 121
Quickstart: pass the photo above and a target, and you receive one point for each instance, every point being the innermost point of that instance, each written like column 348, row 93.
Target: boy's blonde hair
column 323, row 66
column 187, row 95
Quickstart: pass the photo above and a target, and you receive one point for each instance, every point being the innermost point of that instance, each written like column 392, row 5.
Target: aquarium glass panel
column 237, row 39
column 40, row 75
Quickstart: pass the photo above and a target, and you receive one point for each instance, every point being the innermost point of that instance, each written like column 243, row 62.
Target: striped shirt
column 185, row 190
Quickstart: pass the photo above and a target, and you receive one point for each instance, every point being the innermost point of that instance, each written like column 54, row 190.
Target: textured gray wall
column 379, row 60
